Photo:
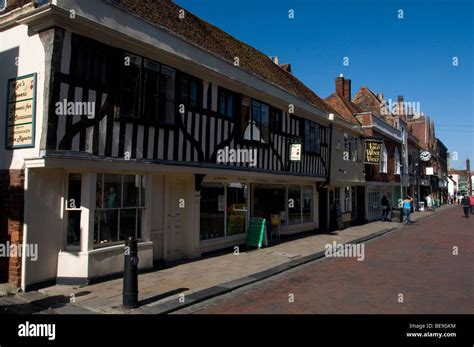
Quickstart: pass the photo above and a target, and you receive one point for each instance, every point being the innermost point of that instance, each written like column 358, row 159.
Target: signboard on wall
column 373, row 152
column 429, row 171
column 295, row 151
column 20, row 112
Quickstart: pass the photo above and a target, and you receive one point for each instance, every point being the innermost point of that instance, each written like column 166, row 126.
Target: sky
column 414, row 56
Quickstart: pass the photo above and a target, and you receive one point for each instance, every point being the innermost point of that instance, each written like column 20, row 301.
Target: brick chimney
column 340, row 85
column 343, row 87
column 347, row 89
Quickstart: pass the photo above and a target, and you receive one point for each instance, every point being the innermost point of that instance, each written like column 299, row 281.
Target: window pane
column 143, row 185
column 194, row 96
column 74, row 228
column 98, row 192
column 265, row 122
column 222, row 103
column 112, row 190
column 294, row 205
column 74, row 191
column 212, row 211
column 307, row 204
column 108, row 226
column 230, row 106
column 128, row 222
column 131, row 186
column 236, row 210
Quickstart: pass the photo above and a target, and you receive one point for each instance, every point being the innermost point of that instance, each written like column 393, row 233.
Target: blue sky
column 412, row 56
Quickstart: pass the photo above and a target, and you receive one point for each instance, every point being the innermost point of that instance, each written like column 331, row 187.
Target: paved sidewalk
column 182, row 285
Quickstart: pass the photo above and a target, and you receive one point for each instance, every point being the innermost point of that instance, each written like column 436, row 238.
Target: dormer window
column 3, row 5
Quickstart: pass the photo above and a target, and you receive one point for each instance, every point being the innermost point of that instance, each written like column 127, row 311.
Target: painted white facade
column 20, row 55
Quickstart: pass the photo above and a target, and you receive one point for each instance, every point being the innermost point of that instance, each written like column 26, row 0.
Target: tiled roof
column 165, row 14
column 345, row 108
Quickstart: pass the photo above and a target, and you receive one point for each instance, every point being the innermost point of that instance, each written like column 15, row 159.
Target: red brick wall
column 11, row 221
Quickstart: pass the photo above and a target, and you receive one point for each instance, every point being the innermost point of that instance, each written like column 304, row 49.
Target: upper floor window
column 147, row 90
column 189, row 90
column 383, row 159
column 3, row 5
column 257, row 128
column 350, row 148
column 90, row 65
column 312, row 141
column 228, row 103
column 276, row 120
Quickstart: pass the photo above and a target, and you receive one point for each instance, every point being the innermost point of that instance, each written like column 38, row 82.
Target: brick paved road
column 416, row 261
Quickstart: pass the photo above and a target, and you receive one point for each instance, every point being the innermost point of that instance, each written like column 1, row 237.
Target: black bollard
column 130, row 274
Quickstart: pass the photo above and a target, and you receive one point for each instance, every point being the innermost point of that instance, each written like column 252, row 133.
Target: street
column 424, row 268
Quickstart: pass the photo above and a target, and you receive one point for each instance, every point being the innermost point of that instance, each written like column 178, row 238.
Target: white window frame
column 69, row 247
column 139, row 220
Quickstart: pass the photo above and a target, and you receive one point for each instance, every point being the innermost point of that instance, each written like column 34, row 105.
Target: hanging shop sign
column 20, row 113
column 295, row 152
column 373, row 152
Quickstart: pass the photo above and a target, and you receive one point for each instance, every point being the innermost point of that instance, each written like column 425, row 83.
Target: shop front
column 375, row 193
column 227, row 204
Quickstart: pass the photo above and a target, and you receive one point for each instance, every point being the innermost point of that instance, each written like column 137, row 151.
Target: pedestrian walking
column 407, row 208
column 466, row 205
column 472, row 204
column 429, row 202
column 385, row 208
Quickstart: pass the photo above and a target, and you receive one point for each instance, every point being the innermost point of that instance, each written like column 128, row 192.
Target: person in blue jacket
column 407, row 208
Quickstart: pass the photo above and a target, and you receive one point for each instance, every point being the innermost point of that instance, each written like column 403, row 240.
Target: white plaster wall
column 15, row 42
column 43, row 222
column 111, row 260
column 354, row 169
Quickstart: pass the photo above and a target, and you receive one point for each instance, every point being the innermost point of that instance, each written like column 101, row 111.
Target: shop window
column 312, row 140
column 269, row 200
column 257, row 128
column 294, row 205
column 307, row 193
column 73, row 209
column 212, row 211
column 236, row 209
column 120, row 201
